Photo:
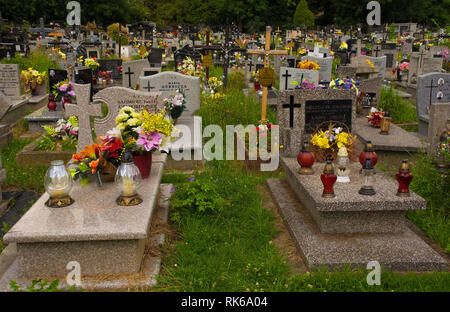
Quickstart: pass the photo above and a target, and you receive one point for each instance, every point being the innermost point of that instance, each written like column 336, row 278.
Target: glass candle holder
column 342, row 162
column 58, row 183
column 368, row 172
column 128, row 180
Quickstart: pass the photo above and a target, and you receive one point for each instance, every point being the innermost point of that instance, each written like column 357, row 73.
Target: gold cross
column 266, row 52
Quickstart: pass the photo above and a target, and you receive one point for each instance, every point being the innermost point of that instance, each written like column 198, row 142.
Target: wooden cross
column 291, row 107
column 266, row 52
column 207, row 48
column 286, row 75
column 148, row 87
column 129, row 73
column 83, row 110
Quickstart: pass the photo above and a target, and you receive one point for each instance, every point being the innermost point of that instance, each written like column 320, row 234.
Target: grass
column 400, row 110
column 30, row 178
column 233, row 250
column 434, row 188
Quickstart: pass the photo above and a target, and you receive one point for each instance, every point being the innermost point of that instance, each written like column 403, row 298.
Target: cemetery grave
column 357, row 172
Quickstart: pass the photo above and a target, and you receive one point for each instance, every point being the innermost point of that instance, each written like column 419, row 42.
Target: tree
column 303, row 16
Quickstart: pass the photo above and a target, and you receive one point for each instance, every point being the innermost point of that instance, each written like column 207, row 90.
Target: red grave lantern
column 328, row 179
column 368, row 152
column 404, row 177
column 305, row 159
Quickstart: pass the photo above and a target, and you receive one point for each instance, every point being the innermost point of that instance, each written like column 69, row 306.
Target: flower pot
column 144, row 163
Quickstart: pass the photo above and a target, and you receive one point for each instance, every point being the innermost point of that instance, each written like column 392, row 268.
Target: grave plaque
column 93, row 54
column 389, row 60
column 266, row 76
column 207, row 60
column 112, row 66
column 10, row 80
column 319, row 111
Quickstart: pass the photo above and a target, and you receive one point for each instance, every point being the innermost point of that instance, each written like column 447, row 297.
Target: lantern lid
column 342, row 152
column 305, row 146
column 368, row 147
column 328, row 169
column 404, row 167
column 444, row 136
column 127, row 157
column 367, row 164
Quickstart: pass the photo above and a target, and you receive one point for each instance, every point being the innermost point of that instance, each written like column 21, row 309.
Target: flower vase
column 35, row 90
column 65, row 100
column 144, row 163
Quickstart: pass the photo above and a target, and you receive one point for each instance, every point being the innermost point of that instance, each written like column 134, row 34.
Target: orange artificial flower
column 93, row 165
column 77, row 157
column 91, row 151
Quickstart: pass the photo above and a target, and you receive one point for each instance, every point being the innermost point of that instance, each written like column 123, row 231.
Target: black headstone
column 155, row 56
column 93, row 54
column 111, row 65
column 319, row 111
column 389, row 60
column 55, row 76
column 150, row 72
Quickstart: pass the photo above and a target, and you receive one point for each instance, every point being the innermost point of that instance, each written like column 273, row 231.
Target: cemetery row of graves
column 103, row 157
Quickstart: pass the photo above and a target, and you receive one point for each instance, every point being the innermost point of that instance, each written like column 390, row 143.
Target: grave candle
column 404, row 178
column 328, row 179
column 128, row 180
column 58, row 183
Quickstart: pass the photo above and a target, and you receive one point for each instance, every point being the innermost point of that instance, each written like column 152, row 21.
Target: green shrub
column 200, row 194
column 400, row 110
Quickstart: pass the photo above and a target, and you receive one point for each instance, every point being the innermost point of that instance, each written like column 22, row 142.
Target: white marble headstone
column 288, row 75
column 168, row 82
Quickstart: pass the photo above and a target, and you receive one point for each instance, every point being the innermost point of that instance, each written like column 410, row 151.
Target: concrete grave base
column 144, row 277
column 400, row 252
column 38, row 98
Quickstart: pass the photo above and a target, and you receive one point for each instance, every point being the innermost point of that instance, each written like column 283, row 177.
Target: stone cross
column 83, row 110
column 266, row 52
column 291, row 107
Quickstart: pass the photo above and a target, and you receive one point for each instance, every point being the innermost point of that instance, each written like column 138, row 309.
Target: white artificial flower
column 115, row 133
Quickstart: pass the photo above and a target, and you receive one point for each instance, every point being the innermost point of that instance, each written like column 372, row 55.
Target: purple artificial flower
column 71, row 93
column 63, row 88
column 149, row 141
column 191, row 179
column 172, row 189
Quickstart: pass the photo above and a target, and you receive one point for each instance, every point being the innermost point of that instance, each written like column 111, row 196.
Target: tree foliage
column 249, row 15
column 303, row 16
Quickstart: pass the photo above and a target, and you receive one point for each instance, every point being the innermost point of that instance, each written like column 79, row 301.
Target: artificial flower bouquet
column 404, row 67
column 32, row 79
column 63, row 137
column 214, row 90
column 375, row 118
column 175, row 104
column 308, row 65
column 326, row 144
column 144, row 132
column 188, row 67
column 343, row 46
column 91, row 63
column 345, row 83
column 64, row 89
column 305, row 85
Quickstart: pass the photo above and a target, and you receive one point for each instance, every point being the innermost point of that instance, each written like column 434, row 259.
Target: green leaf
column 84, row 181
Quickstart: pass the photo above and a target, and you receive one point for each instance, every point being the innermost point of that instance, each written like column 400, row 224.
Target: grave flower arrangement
column 345, row 83
column 370, row 63
column 32, row 79
column 188, row 67
column 175, row 104
column 326, row 144
column 91, row 163
column 91, row 63
column 63, row 137
column 404, row 67
column 305, row 85
column 215, row 87
column 343, row 46
column 308, row 65
column 64, row 89
column 375, row 118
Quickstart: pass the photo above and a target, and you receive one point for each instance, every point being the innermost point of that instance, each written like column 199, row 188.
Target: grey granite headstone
column 431, row 88
column 372, row 91
column 299, row 112
column 326, row 66
column 118, row 97
column 131, row 71
column 288, row 75
column 168, row 82
column 439, row 122
column 10, row 80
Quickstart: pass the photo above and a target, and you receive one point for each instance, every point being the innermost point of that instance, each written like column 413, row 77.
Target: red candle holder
column 328, row 179
column 306, row 159
column 404, row 178
column 368, row 152
column 51, row 103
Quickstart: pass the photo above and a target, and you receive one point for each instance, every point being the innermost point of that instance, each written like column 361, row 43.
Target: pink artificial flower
column 71, row 93
column 149, row 141
column 63, row 88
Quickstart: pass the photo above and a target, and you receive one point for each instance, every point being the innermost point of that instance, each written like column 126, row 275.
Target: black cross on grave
column 286, row 75
column 129, row 73
column 431, row 86
column 291, row 107
column 377, row 50
column 148, row 87
column 250, row 65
